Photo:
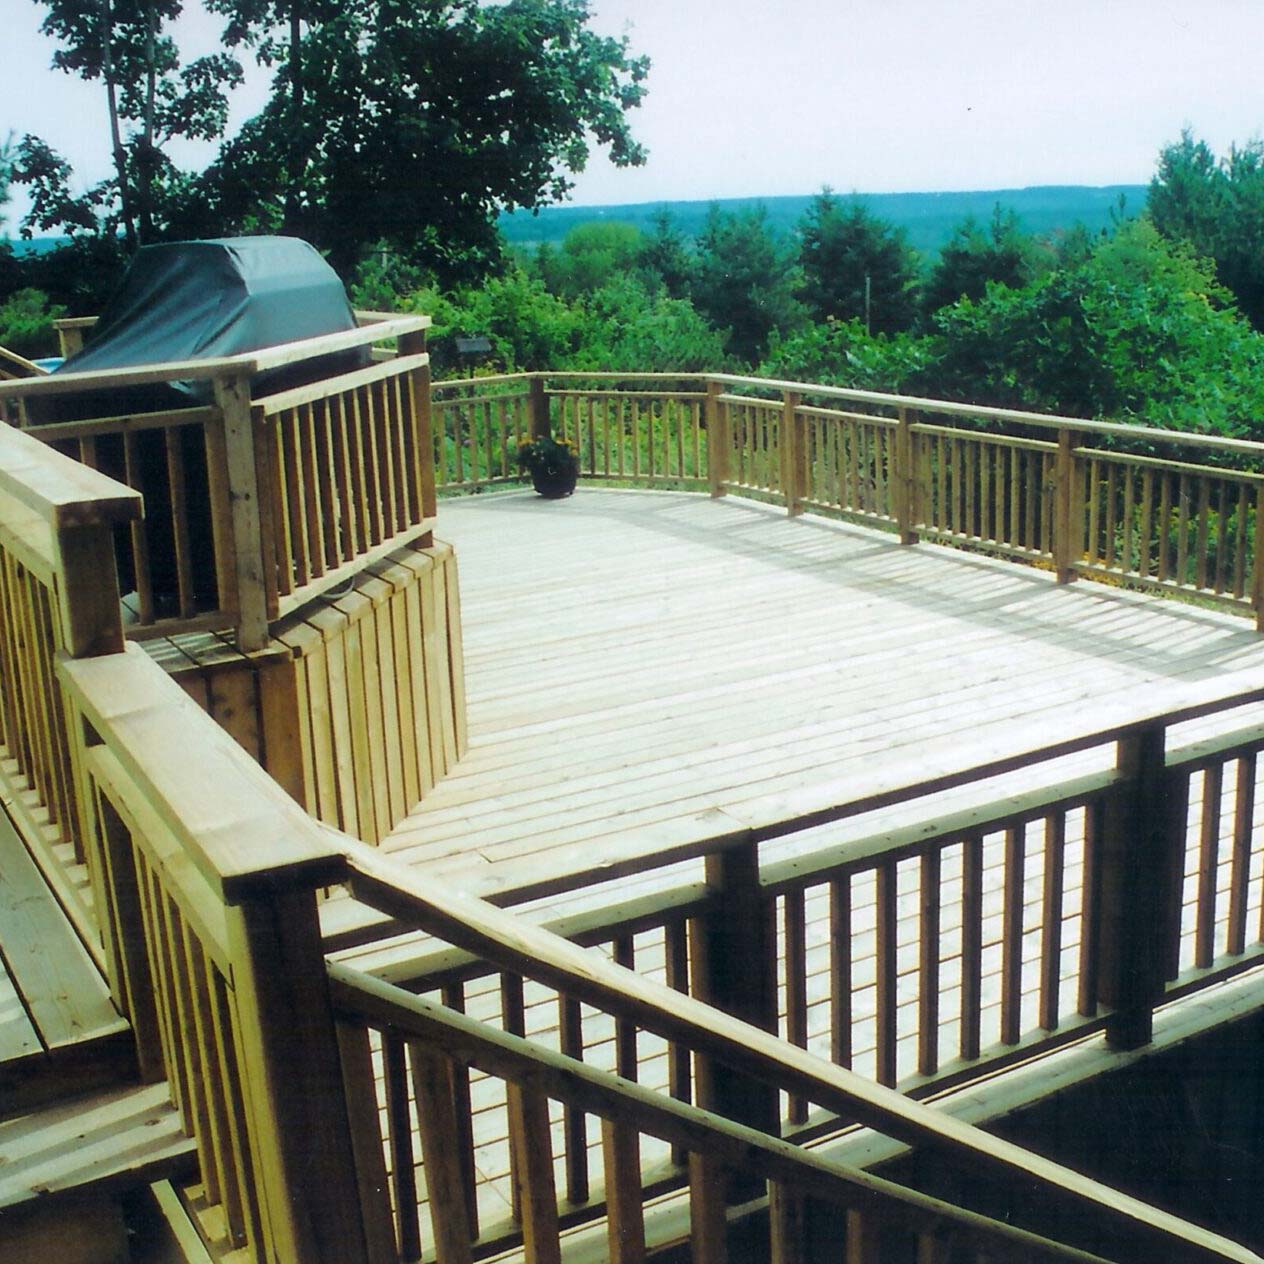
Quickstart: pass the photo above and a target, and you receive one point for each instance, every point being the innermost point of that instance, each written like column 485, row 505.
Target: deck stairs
column 79, row 1135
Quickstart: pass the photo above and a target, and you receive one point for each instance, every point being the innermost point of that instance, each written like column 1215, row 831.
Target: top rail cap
column 61, row 491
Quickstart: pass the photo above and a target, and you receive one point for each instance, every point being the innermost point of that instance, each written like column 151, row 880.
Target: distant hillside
column 929, row 218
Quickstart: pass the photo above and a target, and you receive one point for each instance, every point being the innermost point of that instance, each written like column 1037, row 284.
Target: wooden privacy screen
column 358, row 706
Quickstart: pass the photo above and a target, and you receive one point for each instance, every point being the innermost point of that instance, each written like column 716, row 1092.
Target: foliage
column 591, row 256
column 664, row 257
column 856, row 266
column 975, row 256
column 1218, row 208
column 626, row 326
column 151, row 99
column 26, row 324
column 841, row 353
column 744, row 282
column 1139, row 332
column 421, row 121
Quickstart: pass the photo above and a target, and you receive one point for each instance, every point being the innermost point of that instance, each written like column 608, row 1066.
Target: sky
column 766, row 97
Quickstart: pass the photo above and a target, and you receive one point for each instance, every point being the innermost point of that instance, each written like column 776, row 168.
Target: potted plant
column 552, row 464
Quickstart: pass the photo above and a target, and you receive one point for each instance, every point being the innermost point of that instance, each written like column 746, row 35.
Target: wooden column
column 292, row 1078
column 904, row 478
column 538, row 409
column 1067, row 524
column 91, row 618
column 717, row 439
column 232, row 398
column 791, row 454
column 734, row 950
column 1135, row 857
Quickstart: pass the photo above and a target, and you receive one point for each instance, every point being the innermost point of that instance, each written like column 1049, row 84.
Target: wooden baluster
column 864, row 1239
column 574, row 1129
column 840, row 971
column 1243, row 820
column 708, row 1219
column 1051, row 920
column 621, row 1143
column 356, row 1056
column 1209, row 864
column 928, row 965
column 400, row 1139
column 887, row 997
column 1012, row 935
column 531, row 1145
column 971, row 945
column 679, row 1079
column 454, row 998
column 438, row 1124
column 786, row 1224
column 796, row 988
column 1090, row 905
column 1257, row 563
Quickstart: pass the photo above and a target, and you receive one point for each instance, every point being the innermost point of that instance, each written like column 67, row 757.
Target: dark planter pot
column 554, row 484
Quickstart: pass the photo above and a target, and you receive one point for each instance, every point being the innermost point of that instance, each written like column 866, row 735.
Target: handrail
column 62, row 492
column 361, row 997
column 247, row 363
column 478, row 927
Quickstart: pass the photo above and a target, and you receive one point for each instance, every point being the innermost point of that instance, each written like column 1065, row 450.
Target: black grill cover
column 195, row 300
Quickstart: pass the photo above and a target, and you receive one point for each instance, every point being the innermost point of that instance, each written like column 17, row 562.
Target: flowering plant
column 548, row 457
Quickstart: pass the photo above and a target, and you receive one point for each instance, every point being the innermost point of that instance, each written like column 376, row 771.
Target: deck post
column 717, row 439
column 1134, row 882
column 1066, row 522
column 734, row 951
column 538, row 408
column 292, row 1077
column 232, row 398
column 903, row 479
column 792, row 487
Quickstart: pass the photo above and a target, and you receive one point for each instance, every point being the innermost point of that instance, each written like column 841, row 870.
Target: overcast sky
column 763, row 97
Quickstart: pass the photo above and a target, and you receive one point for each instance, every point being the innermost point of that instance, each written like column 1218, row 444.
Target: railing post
column 299, row 1128
column 538, row 408
column 1066, row 536
column 232, row 398
column 1139, row 847
column 734, row 961
column 791, row 454
column 423, row 446
column 904, row 481
column 717, row 439
column 91, row 618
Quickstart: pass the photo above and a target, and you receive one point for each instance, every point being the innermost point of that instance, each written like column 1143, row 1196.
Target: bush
column 26, row 324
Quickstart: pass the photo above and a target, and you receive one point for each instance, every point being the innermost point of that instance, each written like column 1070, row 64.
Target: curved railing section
column 1121, row 504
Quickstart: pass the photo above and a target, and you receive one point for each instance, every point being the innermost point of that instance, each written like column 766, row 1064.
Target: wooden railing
column 253, row 506
column 208, row 879
column 1122, row 504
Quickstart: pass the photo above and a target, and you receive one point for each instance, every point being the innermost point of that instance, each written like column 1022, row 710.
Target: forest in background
column 398, row 138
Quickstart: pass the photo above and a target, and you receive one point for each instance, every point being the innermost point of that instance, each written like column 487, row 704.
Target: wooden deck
column 647, row 670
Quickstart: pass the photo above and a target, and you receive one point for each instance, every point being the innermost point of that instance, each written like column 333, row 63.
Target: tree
column 592, row 255
column 150, row 100
column 744, row 281
column 976, row 257
column 664, row 257
column 855, row 265
column 1218, row 208
column 417, row 123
